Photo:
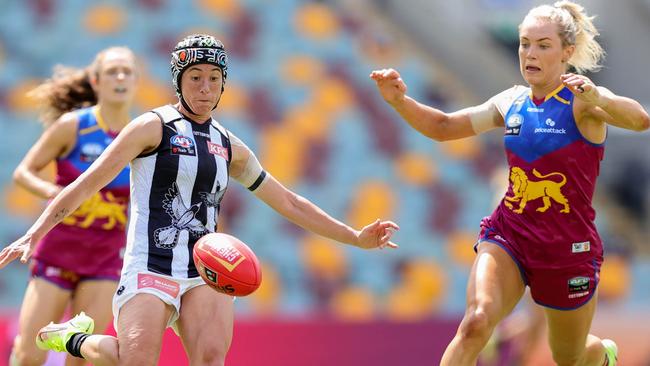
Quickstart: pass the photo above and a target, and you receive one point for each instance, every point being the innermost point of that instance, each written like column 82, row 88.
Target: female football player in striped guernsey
column 542, row 234
column 78, row 262
column 181, row 159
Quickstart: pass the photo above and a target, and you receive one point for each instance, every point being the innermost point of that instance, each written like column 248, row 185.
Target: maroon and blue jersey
column 90, row 240
column 546, row 216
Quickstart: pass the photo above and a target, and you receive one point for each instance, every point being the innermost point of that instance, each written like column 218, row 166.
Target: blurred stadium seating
column 298, row 94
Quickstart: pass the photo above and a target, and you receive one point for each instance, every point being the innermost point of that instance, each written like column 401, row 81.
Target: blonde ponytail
column 575, row 28
column 588, row 53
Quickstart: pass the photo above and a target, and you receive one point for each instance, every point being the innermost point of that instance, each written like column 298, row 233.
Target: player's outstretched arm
column 141, row 135
column 431, row 122
column 304, row 213
column 246, row 169
column 604, row 106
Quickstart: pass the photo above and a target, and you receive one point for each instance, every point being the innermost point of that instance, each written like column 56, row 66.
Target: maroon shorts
column 553, row 286
column 87, row 252
column 65, row 279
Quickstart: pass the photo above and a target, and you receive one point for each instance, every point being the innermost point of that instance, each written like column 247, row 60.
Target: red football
column 227, row 265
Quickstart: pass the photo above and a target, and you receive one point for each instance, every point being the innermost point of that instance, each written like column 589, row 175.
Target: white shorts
column 168, row 289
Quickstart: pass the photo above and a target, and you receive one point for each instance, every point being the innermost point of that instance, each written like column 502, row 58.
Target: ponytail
column 575, row 28
column 588, row 52
column 69, row 88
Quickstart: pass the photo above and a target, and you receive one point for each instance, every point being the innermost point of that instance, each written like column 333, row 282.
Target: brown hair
column 69, row 88
column 575, row 28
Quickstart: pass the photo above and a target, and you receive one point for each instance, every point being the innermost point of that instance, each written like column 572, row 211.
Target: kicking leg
column 494, row 288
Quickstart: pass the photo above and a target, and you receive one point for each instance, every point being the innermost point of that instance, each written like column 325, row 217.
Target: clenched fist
column 390, row 85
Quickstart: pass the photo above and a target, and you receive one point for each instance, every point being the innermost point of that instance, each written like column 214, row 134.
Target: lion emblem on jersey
column 99, row 207
column 524, row 190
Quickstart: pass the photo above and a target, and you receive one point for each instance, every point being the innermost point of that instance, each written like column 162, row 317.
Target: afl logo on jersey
column 513, row 124
column 90, row 152
column 182, row 145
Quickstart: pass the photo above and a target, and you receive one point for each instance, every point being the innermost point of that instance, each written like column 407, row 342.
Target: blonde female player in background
column 181, row 161
column 78, row 262
column 542, row 234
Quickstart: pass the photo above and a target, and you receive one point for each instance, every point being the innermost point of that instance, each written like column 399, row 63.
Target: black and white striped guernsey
column 175, row 194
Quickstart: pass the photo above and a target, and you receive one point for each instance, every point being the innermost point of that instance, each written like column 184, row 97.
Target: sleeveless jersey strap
column 87, row 122
column 167, row 114
column 219, row 127
column 226, row 138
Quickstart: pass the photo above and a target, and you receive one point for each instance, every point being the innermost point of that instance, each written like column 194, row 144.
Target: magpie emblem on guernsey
column 183, row 218
column 213, row 199
column 525, row 190
column 182, row 145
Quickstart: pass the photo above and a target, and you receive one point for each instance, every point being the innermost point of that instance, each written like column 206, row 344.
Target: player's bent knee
column 476, row 325
column 133, row 351
column 28, row 357
column 214, row 355
column 214, row 360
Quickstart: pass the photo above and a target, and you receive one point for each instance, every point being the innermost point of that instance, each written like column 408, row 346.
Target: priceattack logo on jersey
column 550, row 128
column 182, row 145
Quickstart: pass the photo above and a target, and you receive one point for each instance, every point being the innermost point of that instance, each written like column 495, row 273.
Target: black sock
column 74, row 344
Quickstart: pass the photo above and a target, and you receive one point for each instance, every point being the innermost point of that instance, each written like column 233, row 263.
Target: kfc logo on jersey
column 219, row 150
column 182, row 145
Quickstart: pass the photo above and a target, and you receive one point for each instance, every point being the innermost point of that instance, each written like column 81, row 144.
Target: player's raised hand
column 22, row 248
column 390, row 85
column 582, row 87
column 377, row 235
